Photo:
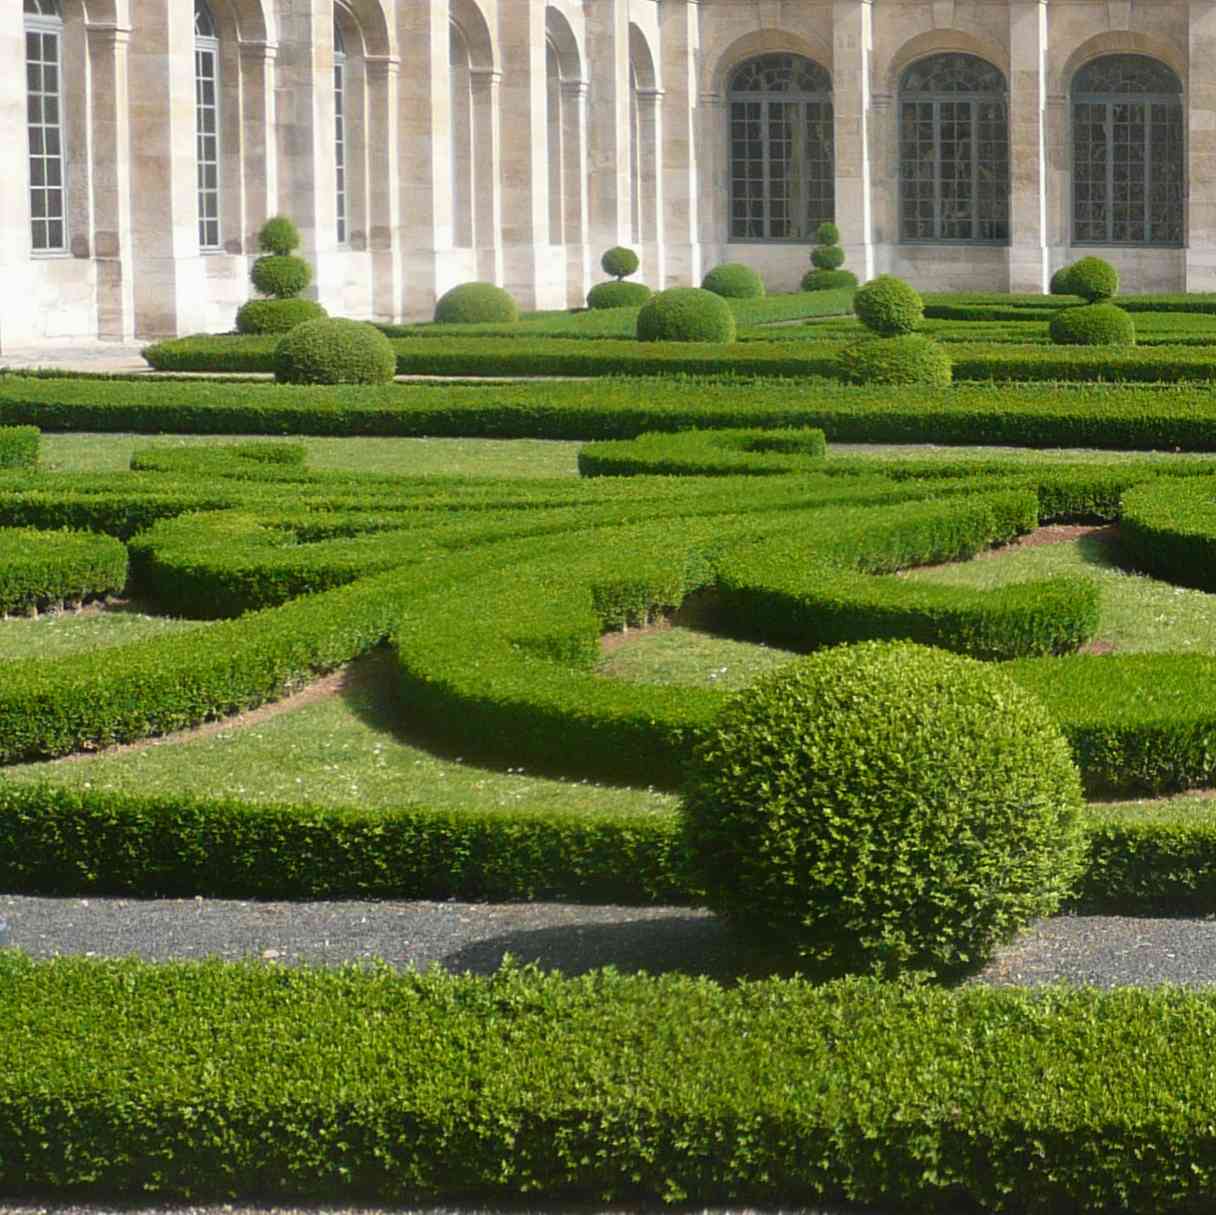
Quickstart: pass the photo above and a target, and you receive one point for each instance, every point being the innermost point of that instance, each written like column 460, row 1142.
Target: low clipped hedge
column 618, row 295
column 19, row 446
column 40, row 569
column 734, row 280
column 907, row 359
column 1170, row 531
column 1093, row 325
column 471, row 303
column 686, row 314
column 276, row 315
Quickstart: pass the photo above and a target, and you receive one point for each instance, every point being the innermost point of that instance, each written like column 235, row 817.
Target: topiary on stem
column 279, row 274
column 620, row 262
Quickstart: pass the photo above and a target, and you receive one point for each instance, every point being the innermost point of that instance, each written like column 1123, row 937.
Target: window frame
column 208, row 44
column 341, row 139
column 42, row 25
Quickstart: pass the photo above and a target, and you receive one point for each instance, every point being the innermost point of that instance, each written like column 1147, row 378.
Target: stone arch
column 374, row 28
column 934, row 42
column 243, row 20
column 560, row 32
column 474, row 31
column 641, row 59
column 1117, row 42
column 760, row 42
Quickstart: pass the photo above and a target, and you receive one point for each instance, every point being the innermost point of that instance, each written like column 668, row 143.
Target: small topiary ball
column 734, row 281
column 281, row 276
column 887, row 305
column 884, row 806
column 619, row 262
column 907, row 359
column 827, row 257
column 1093, row 279
column 828, row 280
column 827, row 234
column 1092, row 325
column 686, row 314
column 618, row 295
column 276, row 316
column 1060, row 282
column 279, row 235
column 334, row 351
column 475, row 303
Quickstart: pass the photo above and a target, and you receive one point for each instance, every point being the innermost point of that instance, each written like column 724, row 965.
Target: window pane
column 48, row 204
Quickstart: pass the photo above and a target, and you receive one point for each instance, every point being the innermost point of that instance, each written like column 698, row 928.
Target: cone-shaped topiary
column 276, row 316
column 334, row 351
column 686, row 314
column 906, row 359
column 888, row 306
column 475, row 303
column 884, row 806
column 619, row 262
column 618, row 295
column 1093, row 279
column 734, row 281
column 1092, row 325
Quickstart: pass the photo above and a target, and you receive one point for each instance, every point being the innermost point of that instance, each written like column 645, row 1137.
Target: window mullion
column 937, row 170
column 766, row 210
column 1108, row 128
column 973, row 129
column 1146, row 205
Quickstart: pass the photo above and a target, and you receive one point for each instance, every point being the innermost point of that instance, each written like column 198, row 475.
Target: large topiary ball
column 279, row 235
column 334, row 351
column 1092, row 325
column 828, row 280
column 618, row 295
column 827, row 257
column 1093, row 279
column 276, row 316
column 619, row 262
column 887, row 305
column 475, row 303
column 884, row 806
column 907, row 359
column 1060, row 283
column 734, row 281
column 686, row 314
column 281, row 276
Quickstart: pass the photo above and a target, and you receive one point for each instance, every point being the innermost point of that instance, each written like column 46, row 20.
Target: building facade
column 962, row 144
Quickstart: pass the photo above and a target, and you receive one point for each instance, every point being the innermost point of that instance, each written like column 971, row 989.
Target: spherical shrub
column 827, row 257
column 334, row 351
column 887, row 305
column 279, row 235
column 686, row 314
column 617, row 294
column 827, row 234
column 907, row 359
column 1061, row 283
column 828, row 280
column 1093, row 279
column 276, row 316
column 884, row 806
column 1092, row 325
column 280, row 275
column 734, row 281
column 475, row 303
column 619, row 262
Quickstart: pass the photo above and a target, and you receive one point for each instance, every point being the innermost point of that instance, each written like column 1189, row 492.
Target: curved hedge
column 40, row 569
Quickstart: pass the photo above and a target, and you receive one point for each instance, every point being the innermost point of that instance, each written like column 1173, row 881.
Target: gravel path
column 1104, row 951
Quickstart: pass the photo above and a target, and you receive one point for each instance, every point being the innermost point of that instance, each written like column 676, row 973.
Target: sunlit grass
column 64, row 633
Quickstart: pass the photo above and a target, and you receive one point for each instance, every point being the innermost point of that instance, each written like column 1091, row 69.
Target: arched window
column 781, row 174
column 343, row 209
column 44, row 123
column 207, row 125
column 1127, row 156
column 953, row 151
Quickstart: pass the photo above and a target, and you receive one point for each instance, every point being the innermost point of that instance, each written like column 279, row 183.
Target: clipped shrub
column 1061, row 282
column 828, row 280
column 686, row 314
column 278, row 235
column 334, row 351
column 1093, row 279
column 618, row 295
column 889, row 306
column 827, row 233
column 619, row 262
column 884, row 806
column 40, row 568
column 281, row 276
column 734, row 281
column 475, row 303
column 1093, row 325
column 907, row 359
column 827, row 257
column 276, row 315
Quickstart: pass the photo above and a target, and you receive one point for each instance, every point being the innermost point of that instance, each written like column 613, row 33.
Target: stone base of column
column 683, row 264
column 1029, row 269
column 858, row 259
column 536, row 277
column 1201, row 269
column 579, row 275
column 653, row 268
column 172, row 297
column 115, row 300
column 386, row 286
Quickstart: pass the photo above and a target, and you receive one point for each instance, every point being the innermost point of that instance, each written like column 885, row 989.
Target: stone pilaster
column 259, row 159
column 715, row 189
column 15, row 260
column 608, row 186
column 384, row 190
column 575, row 191
column 1028, row 257
column 1201, row 148
column 650, row 136
column 487, row 174
column 679, row 39
column 851, row 66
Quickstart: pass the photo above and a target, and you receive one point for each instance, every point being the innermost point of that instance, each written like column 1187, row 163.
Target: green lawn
column 58, row 635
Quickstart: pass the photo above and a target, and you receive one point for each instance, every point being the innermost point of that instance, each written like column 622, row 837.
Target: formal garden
column 709, row 598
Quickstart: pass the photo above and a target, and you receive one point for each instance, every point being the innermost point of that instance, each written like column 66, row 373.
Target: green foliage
column 473, row 303
column 686, row 314
column 276, row 315
column 888, row 306
column 1093, row 325
column 40, row 569
column 734, row 280
column 1093, row 279
column 282, row 277
column 19, row 446
column 907, row 359
column 828, row 280
column 618, row 295
column 827, row 257
column 1061, row 283
column 279, row 236
column 827, row 234
column 334, row 351
column 619, row 262
column 1169, row 530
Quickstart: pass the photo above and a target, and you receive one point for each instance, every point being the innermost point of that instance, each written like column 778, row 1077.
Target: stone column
column 110, row 178
column 650, row 136
column 1056, row 174
column 1201, row 148
column 574, row 191
column 259, row 161
column 487, row 174
column 679, row 39
column 15, row 260
column 715, row 186
column 384, row 193
column 852, row 51
column 608, row 187
column 1028, row 261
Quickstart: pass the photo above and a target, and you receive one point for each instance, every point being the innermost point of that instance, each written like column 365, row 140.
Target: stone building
column 422, row 143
